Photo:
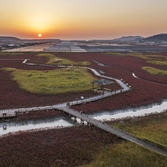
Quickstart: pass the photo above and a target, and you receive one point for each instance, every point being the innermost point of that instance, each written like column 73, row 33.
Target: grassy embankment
column 61, row 61
column 154, row 71
column 9, row 53
column 157, row 62
column 53, row 81
column 127, row 154
column 67, row 80
column 151, row 127
column 151, row 59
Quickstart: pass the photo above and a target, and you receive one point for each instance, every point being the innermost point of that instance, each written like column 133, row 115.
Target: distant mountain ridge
column 128, row 38
column 134, row 39
column 8, row 38
column 156, row 38
column 124, row 39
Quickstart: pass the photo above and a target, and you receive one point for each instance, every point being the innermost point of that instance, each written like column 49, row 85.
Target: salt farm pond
column 15, row 126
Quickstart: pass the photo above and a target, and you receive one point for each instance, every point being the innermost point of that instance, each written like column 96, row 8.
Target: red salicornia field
column 77, row 145
column 150, row 88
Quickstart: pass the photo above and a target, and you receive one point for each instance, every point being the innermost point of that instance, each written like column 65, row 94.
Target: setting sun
column 102, row 19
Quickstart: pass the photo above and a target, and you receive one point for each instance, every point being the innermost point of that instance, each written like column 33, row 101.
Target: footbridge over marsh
column 7, row 113
column 113, row 130
column 90, row 121
column 65, row 107
column 124, row 87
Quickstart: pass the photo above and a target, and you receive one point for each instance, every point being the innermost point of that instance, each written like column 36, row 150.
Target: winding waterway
column 131, row 112
column 15, row 126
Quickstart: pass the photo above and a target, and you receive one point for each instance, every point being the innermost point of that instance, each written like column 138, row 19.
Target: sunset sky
column 82, row 19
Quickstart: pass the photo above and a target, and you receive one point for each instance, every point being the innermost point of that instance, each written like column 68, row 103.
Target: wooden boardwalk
column 114, row 131
column 13, row 112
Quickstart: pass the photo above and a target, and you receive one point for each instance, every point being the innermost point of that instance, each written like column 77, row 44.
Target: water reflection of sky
column 156, row 108
column 15, row 126
column 7, row 127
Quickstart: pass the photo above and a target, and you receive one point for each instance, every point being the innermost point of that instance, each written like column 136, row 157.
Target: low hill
column 156, row 38
column 8, row 38
column 128, row 39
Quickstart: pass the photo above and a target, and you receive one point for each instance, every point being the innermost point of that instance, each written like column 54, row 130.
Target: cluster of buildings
column 13, row 42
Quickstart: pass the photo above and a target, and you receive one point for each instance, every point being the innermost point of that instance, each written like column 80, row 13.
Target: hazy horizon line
column 73, row 39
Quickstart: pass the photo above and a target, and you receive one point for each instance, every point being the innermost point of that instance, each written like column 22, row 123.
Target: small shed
column 101, row 83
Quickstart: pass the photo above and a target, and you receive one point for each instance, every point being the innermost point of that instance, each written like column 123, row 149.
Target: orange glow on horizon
column 82, row 19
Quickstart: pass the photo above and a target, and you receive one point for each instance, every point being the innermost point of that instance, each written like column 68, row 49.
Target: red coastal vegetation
column 143, row 91
column 72, row 146
column 63, row 147
column 39, row 115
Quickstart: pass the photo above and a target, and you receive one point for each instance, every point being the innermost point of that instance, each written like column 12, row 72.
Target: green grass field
column 150, row 58
column 154, row 71
column 151, row 128
column 157, row 62
column 9, row 54
column 58, row 60
column 53, row 81
column 136, row 54
column 127, row 154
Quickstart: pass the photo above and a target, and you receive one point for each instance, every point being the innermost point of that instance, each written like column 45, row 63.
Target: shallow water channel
column 15, row 126
column 60, row 122
column 131, row 112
